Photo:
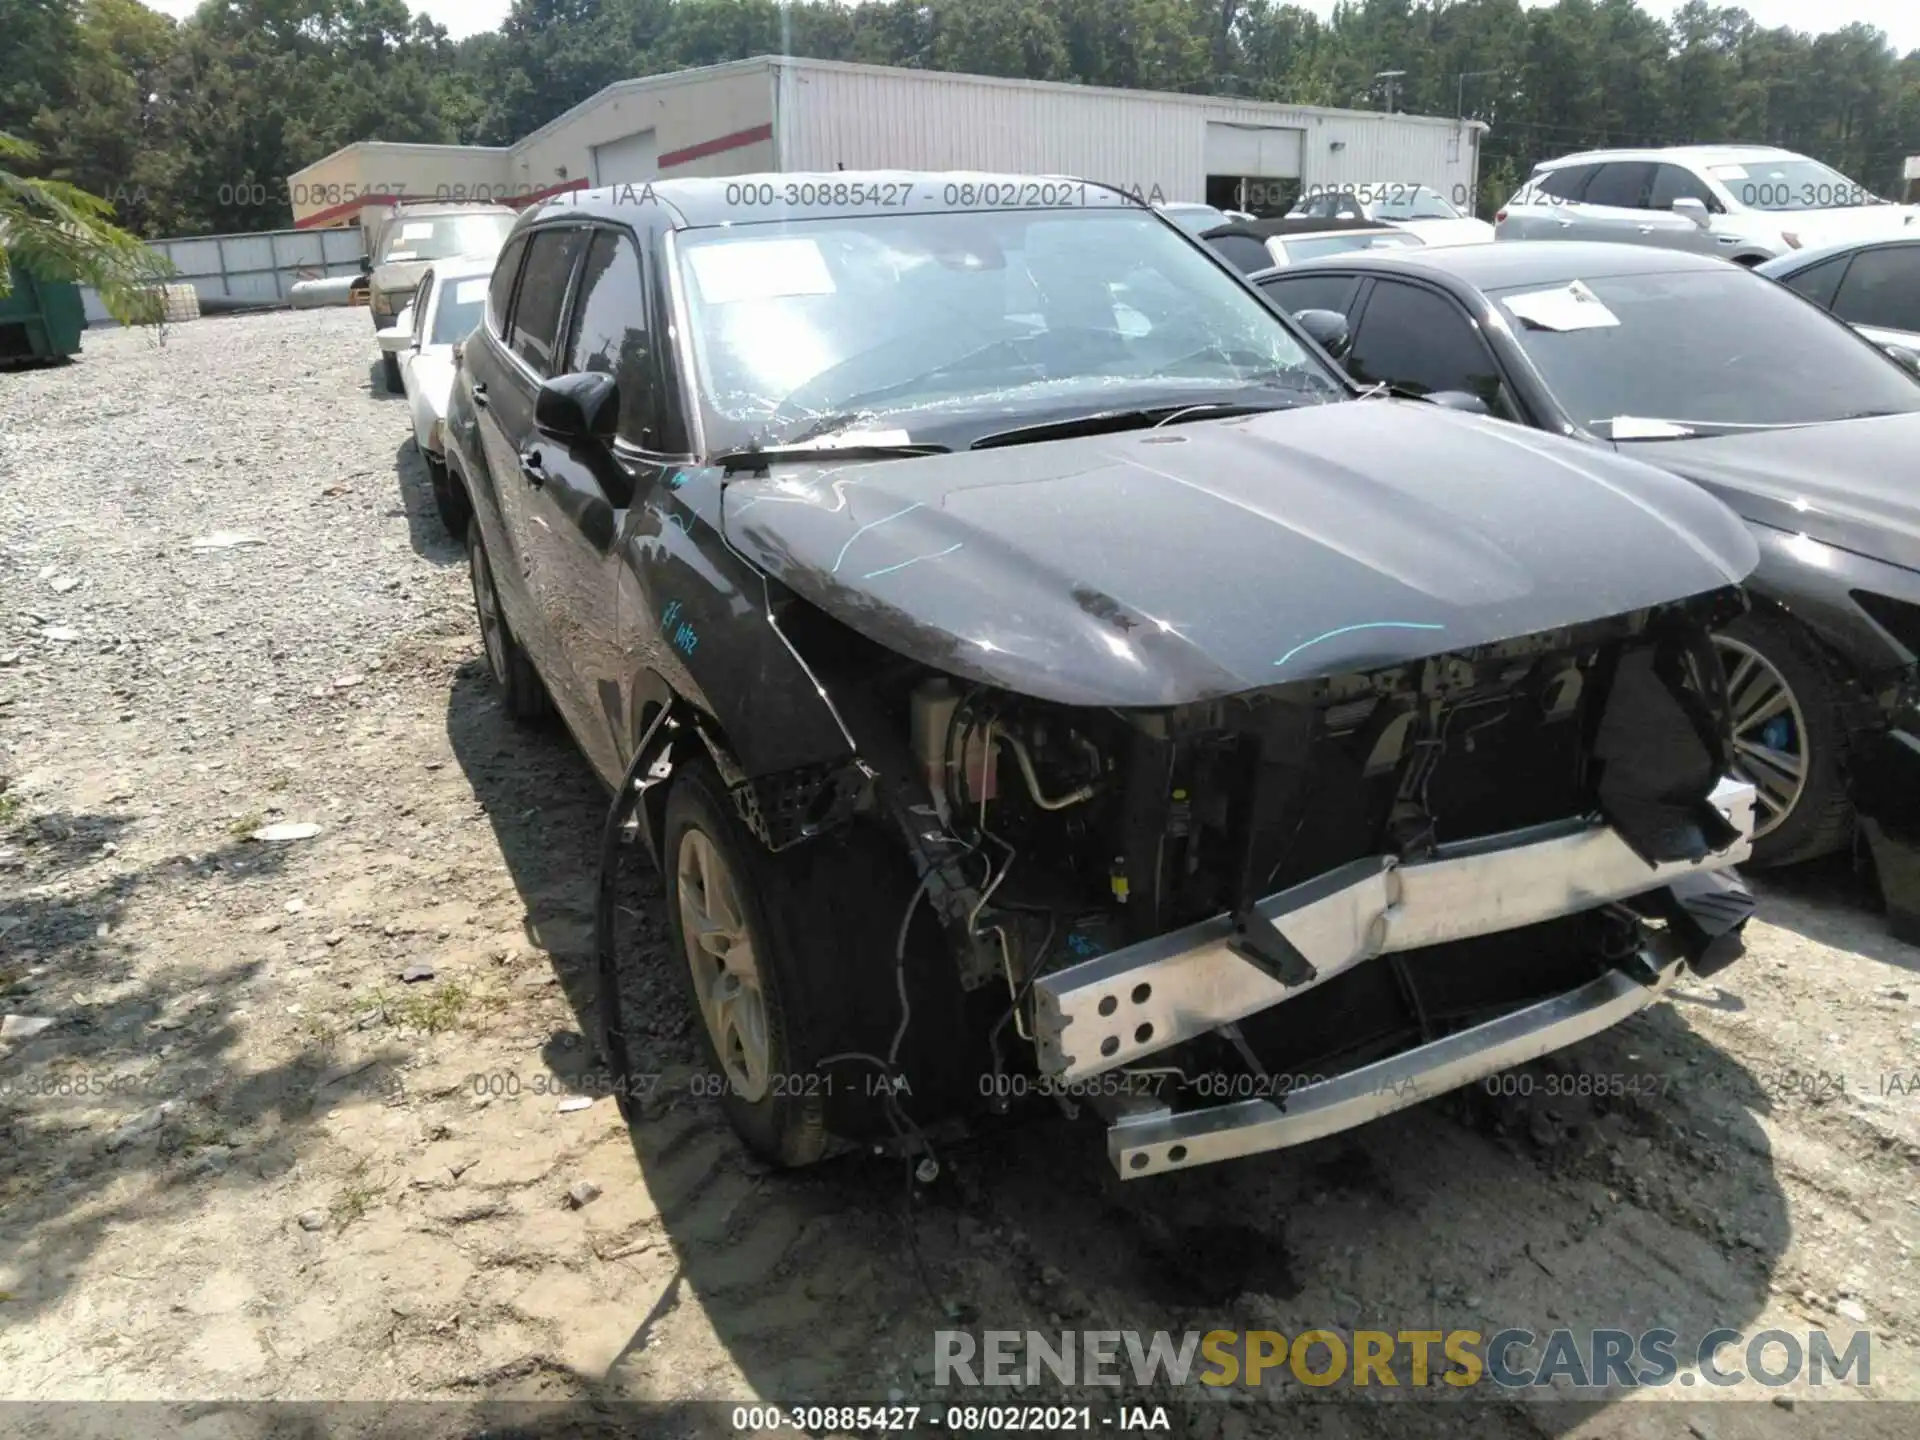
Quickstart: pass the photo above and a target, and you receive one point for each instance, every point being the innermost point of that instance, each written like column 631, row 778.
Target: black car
column 1802, row 426
column 1873, row 285
column 1251, row 245
column 1035, row 669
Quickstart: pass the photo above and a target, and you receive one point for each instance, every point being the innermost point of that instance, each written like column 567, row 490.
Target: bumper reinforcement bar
column 1155, row 1141
column 1116, row 1008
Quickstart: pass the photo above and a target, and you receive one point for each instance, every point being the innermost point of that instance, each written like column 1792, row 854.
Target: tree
column 57, row 231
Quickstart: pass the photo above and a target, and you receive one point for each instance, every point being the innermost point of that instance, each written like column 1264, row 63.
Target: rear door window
column 543, row 295
column 1882, row 287
column 612, row 334
column 1569, row 182
column 1624, row 184
column 1424, row 343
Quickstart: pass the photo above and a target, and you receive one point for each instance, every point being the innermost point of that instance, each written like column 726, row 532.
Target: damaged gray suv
column 1036, row 669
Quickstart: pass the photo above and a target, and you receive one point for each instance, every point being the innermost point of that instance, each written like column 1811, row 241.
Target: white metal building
column 777, row 113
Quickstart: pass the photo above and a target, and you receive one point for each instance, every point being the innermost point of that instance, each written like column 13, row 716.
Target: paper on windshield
column 759, row 270
column 1565, row 307
column 1637, row 427
column 393, row 255
column 417, row 232
column 1727, row 172
column 471, row 292
column 844, row 438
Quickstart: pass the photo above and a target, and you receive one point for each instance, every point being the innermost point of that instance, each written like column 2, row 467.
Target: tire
column 819, row 924
column 449, row 497
column 390, row 372
column 1803, row 697
column 521, row 688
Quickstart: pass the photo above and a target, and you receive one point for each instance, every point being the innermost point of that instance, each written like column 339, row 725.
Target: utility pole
column 1392, row 77
column 1460, row 89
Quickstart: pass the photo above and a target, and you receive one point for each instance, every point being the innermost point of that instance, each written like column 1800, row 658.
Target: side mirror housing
column 1328, row 329
column 1461, row 400
column 1694, row 210
column 395, row 340
column 366, row 264
column 577, row 408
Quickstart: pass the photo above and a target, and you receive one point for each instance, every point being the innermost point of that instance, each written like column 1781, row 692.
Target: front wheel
column 449, row 497
column 1788, row 740
column 390, row 372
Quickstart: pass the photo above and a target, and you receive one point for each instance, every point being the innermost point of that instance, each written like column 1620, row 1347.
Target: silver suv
column 1745, row 202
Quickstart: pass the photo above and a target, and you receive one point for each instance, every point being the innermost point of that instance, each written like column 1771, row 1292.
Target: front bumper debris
column 1152, row 1141
column 1133, row 1002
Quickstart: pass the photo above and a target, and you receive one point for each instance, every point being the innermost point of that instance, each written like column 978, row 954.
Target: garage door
column 627, row 161
column 1252, row 150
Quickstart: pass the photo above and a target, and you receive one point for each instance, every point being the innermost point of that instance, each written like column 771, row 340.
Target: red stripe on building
column 517, row 202
column 705, row 148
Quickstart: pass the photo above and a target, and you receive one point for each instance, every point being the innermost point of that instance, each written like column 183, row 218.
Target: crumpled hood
column 1165, row 566
column 1849, row 484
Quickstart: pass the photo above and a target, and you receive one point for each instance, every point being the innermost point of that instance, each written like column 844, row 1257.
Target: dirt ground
column 249, row 1160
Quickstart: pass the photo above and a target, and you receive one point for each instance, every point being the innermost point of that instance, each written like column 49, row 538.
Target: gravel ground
column 225, row 603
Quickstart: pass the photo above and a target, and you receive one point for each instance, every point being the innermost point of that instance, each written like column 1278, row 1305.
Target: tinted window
column 1818, row 282
column 1312, row 292
column 1882, row 288
column 1676, row 182
column 543, row 290
column 1702, row 348
column 1423, row 342
column 1567, row 182
column 1626, row 184
column 500, row 297
column 1242, row 252
column 611, row 335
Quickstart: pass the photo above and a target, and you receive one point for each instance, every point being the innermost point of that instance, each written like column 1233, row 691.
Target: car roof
column 1682, row 154
column 1296, row 225
column 1518, row 262
column 429, row 209
column 1794, row 261
column 721, row 200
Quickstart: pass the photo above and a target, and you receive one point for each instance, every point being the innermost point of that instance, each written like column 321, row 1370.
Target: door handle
column 1562, row 221
column 479, row 392
column 1646, row 229
column 531, row 467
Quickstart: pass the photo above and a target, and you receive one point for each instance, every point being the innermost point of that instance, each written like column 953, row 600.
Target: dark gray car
column 1806, row 429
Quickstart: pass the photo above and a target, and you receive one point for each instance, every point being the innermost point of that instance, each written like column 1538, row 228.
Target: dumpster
column 41, row 320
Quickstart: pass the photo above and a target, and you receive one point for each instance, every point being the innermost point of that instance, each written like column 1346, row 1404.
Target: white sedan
column 1419, row 209
column 449, row 303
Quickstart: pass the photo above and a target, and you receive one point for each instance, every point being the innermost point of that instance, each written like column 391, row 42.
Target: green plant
column 58, row 231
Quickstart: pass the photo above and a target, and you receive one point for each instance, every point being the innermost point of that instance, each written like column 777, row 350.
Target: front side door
column 509, row 380
column 1423, row 342
column 1615, row 206
column 584, row 492
column 1661, row 226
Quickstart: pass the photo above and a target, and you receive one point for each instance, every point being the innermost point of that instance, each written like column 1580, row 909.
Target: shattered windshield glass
column 908, row 324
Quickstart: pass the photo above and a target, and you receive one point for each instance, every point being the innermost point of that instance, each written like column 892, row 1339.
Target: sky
column 1900, row 19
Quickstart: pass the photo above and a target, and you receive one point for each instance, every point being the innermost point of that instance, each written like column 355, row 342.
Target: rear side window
column 1566, row 183
column 543, row 294
column 1882, row 288
column 500, row 294
column 612, row 334
column 1425, row 343
column 1294, row 293
column 1818, row 282
column 1627, row 185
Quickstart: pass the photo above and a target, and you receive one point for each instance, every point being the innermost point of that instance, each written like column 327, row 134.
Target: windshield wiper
column 1103, row 421
column 758, row 458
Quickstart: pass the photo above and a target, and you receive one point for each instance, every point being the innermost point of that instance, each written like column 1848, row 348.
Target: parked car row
column 1031, row 642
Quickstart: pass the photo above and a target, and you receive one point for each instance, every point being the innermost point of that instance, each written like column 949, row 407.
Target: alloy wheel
column 726, row 975
column 1769, row 732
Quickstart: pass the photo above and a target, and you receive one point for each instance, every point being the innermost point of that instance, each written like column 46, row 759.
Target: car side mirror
column 395, row 340
column 1695, row 210
column 1908, row 360
column 1328, row 329
column 577, row 408
column 1462, row 400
